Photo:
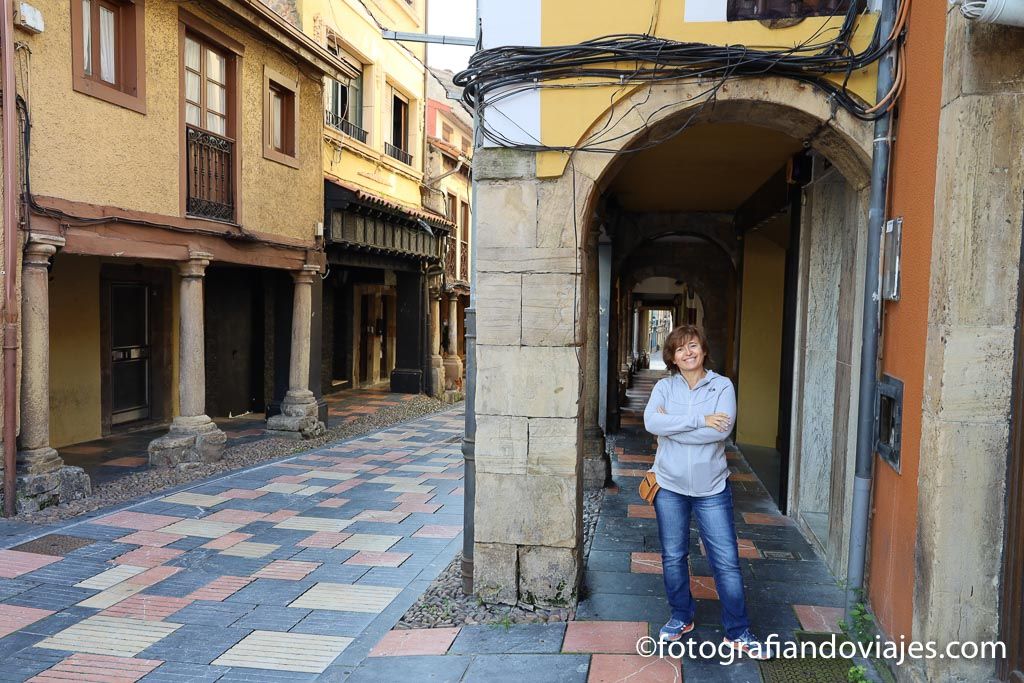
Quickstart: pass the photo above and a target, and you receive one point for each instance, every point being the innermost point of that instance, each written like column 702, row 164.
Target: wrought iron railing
column 339, row 123
column 451, row 260
column 210, row 179
column 397, row 153
column 464, row 262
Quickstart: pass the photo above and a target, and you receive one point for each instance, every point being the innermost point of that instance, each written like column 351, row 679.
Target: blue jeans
column 717, row 530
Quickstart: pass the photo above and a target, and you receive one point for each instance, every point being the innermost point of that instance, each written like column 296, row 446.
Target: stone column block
column 549, row 302
column 501, row 444
column 527, row 381
column 495, row 573
column 527, row 510
column 548, row 577
column 499, row 321
column 553, row 447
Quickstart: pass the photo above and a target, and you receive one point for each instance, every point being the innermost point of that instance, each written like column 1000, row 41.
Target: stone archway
column 535, row 248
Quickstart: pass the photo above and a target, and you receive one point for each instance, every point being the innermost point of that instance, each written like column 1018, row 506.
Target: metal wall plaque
column 892, row 243
column 889, row 420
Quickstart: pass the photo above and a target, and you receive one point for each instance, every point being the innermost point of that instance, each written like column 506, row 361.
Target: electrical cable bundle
column 499, row 73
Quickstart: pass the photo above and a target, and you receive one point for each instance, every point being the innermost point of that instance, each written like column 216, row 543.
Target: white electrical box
column 28, row 18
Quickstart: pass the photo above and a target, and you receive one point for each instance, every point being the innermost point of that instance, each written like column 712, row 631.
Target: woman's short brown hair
column 678, row 337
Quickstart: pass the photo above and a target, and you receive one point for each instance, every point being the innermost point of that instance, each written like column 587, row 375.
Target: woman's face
column 689, row 355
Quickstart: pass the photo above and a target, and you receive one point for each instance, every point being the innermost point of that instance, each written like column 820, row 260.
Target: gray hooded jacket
column 691, row 456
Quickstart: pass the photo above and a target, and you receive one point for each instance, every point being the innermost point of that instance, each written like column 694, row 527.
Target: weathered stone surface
column 557, row 226
column 506, row 214
column 527, row 381
column 39, row 491
column 527, row 260
column 548, row 576
column 491, row 163
column 495, row 572
column 499, row 320
column 958, row 391
column 190, row 440
column 553, row 447
column 549, row 302
column 527, row 510
column 501, row 444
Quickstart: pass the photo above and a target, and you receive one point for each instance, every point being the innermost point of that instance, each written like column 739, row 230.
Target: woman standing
column 692, row 412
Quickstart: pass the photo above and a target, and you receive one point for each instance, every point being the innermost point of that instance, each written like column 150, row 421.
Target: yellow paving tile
column 387, row 479
column 329, row 474
column 201, row 528
column 313, row 524
column 250, row 550
column 200, row 499
column 410, row 488
column 310, row 490
column 374, row 542
column 346, row 597
column 111, row 577
column 282, row 487
column 117, row 636
column 284, row 652
column 421, row 468
column 112, row 595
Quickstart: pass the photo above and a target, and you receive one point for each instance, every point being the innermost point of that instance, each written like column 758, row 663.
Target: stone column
column 437, row 370
column 42, row 477
column 596, row 465
column 299, row 415
column 636, row 332
column 193, row 436
column 452, row 362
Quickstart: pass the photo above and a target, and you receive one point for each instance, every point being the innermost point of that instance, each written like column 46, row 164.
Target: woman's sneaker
column 750, row 646
column 674, row 629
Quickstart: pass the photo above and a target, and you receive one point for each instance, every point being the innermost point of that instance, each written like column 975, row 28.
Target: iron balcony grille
column 210, row 175
column 397, row 153
column 464, row 262
column 340, row 124
column 451, row 264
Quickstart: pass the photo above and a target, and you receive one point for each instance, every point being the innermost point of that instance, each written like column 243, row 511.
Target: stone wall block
column 527, row 510
column 974, row 367
column 499, row 320
column 556, row 227
column 495, row 572
column 496, row 163
column 553, row 449
column 549, row 303
column 523, row 260
column 523, row 381
column 548, row 576
column 501, row 444
column 506, row 214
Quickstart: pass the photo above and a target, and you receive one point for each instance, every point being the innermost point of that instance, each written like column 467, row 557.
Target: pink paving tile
column 14, row 563
column 819, row 619
column 147, row 607
column 14, row 618
column 703, row 588
column 645, row 563
column 332, row 503
column 414, row 497
column 103, row 668
column 153, row 576
column 323, row 539
column 227, row 540
column 156, row 539
column 416, row 641
column 603, row 636
column 376, row 559
column 280, row 516
column 242, row 493
column 634, row 669
column 440, row 475
column 128, row 461
column 458, row 491
column 438, row 531
column 344, row 486
column 743, row 476
column 140, row 521
column 220, row 588
column 623, row 472
column 239, row 516
column 387, row 517
column 428, row 508
column 380, row 470
column 288, row 570
column 641, row 512
column 637, row 457
column 762, row 518
column 289, row 479
column 746, row 548
column 148, row 557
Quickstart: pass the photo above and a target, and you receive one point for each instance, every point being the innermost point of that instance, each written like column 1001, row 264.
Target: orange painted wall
column 891, row 573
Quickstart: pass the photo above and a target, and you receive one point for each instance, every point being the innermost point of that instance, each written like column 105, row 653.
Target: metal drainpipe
column 469, row 440
column 872, row 325
column 10, row 232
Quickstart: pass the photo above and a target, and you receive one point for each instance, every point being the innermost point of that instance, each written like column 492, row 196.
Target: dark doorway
column 234, row 328
column 365, row 336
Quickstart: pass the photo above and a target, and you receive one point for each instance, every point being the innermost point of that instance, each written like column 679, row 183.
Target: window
column 280, row 114
column 739, row 10
column 399, row 145
column 446, row 132
column 206, row 86
column 108, row 51
column 345, row 107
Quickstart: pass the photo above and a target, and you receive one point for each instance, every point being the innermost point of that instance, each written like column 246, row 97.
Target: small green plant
column 857, row 674
column 505, row 621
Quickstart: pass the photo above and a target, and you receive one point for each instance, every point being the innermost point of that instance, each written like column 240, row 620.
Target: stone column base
column 38, row 461
column 43, row 490
column 452, row 372
column 438, row 375
column 597, row 466
column 299, row 417
column 193, row 439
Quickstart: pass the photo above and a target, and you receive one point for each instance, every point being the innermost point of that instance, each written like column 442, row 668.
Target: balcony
column 210, row 182
column 397, row 153
column 464, row 262
column 339, row 123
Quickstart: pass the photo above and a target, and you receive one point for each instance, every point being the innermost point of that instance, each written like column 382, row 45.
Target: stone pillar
column 452, row 362
column 42, row 477
column 299, row 416
column 193, row 436
column 636, row 332
column 437, row 370
column 596, row 464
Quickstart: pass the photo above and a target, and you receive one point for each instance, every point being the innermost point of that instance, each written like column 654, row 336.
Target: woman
column 692, row 412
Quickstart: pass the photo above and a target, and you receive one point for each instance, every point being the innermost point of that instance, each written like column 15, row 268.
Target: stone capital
column 40, row 248
column 305, row 276
column 196, row 264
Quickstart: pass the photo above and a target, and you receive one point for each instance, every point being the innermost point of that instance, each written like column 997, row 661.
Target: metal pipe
column 428, row 38
column 872, row 323
column 10, row 232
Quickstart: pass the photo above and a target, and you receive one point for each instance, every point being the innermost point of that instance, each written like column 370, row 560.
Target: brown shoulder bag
column 649, row 487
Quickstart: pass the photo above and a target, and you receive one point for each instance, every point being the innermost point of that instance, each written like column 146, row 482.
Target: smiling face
column 689, row 355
